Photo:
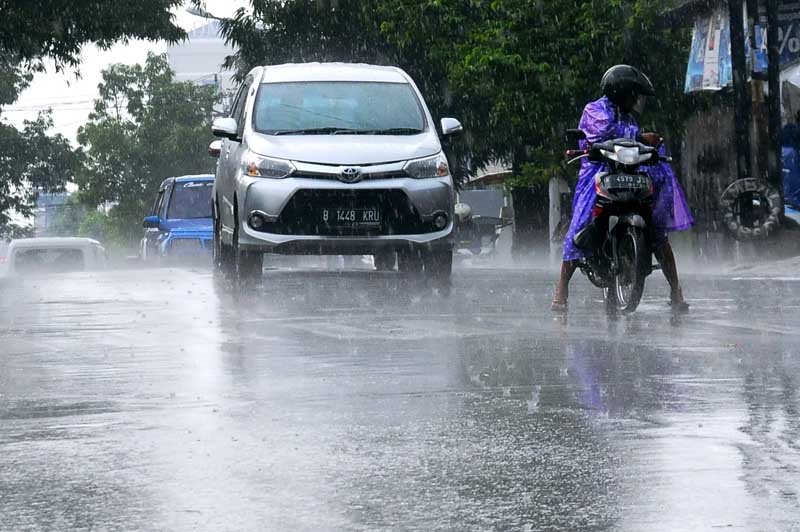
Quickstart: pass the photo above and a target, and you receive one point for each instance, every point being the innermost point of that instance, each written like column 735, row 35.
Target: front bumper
column 288, row 205
column 187, row 245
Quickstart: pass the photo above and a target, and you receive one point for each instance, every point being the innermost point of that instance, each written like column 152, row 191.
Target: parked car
column 30, row 256
column 179, row 225
column 334, row 158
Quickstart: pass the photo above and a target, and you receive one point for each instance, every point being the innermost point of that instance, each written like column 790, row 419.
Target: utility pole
column 741, row 114
column 775, row 174
column 759, row 147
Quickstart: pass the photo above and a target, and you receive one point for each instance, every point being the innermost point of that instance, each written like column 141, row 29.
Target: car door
column 230, row 158
column 152, row 234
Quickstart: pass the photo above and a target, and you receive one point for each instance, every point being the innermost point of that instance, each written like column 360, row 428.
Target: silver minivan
column 332, row 158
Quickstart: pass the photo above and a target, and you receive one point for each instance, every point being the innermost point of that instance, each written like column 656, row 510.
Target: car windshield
column 48, row 260
column 190, row 200
column 328, row 107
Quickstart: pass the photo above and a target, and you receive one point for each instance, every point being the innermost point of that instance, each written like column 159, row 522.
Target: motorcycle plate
column 631, row 182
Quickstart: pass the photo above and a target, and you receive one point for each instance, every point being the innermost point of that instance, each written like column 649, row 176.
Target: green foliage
column 516, row 73
column 10, row 232
column 112, row 230
column 57, row 29
column 144, row 128
column 31, row 161
column 32, row 31
column 96, row 225
column 524, row 70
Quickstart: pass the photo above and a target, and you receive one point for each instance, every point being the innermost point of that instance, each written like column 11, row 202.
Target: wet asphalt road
column 154, row 400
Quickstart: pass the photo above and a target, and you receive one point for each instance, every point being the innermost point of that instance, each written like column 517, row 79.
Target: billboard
column 709, row 65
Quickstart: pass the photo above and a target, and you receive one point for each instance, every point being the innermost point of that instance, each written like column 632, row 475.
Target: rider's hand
column 651, row 139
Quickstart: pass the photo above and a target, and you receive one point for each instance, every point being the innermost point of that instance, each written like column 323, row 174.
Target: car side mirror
column 451, row 126
column 215, row 148
column 151, row 222
column 225, row 128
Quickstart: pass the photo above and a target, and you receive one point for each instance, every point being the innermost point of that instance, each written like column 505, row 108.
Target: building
column 200, row 58
column 49, row 208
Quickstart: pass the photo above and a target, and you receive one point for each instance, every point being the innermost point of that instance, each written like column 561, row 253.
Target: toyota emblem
column 350, row 175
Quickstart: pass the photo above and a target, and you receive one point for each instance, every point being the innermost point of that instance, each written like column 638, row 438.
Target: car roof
column 45, row 242
column 199, row 177
column 293, row 72
column 182, row 179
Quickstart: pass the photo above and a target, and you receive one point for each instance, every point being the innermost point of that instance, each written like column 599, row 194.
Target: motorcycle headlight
column 435, row 166
column 259, row 166
column 628, row 156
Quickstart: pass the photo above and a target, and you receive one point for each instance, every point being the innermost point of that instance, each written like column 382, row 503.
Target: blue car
column 179, row 225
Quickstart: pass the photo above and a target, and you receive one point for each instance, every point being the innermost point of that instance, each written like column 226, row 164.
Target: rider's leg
column 666, row 257
column 568, row 268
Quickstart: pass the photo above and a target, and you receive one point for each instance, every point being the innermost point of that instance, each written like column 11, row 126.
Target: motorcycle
column 618, row 240
column 476, row 233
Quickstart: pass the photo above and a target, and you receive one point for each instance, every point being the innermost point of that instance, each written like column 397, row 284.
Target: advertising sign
column 710, row 58
column 709, row 65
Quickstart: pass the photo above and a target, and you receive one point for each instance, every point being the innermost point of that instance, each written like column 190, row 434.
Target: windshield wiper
column 350, row 131
column 391, row 131
column 317, row 131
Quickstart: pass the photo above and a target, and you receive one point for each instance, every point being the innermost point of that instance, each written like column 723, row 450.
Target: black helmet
column 621, row 80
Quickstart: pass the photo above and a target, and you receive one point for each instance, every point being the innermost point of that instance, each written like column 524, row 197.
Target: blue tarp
column 791, row 176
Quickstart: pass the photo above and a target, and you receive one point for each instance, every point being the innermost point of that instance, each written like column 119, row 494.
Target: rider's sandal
column 557, row 306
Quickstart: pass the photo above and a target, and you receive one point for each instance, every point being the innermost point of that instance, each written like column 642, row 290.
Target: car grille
column 301, row 215
column 186, row 245
column 392, row 174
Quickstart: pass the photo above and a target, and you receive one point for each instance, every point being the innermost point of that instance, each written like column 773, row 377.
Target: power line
column 37, row 107
column 57, row 98
column 72, row 109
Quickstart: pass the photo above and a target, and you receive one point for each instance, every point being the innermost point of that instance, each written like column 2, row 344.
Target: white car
column 31, row 256
column 333, row 158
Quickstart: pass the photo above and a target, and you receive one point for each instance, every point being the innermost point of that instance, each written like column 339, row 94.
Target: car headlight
column 259, row 166
column 435, row 166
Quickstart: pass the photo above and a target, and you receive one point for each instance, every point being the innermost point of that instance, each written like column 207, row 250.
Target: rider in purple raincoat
column 608, row 118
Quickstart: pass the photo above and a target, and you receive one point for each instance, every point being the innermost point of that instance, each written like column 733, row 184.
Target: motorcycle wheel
column 627, row 288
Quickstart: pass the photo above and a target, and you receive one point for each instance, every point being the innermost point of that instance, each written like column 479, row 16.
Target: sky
column 71, row 96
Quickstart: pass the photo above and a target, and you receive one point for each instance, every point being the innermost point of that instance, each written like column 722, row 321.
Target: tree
column 340, row 30
column 517, row 73
column 523, row 71
column 33, row 31
column 31, row 161
column 145, row 128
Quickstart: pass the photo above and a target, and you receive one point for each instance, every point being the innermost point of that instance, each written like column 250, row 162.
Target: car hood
column 189, row 226
column 353, row 150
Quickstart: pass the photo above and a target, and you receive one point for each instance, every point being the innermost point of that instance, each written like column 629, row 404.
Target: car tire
column 438, row 264
column 222, row 254
column 410, row 261
column 385, row 261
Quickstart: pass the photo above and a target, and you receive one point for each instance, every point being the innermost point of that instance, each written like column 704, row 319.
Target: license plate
column 370, row 217
column 636, row 182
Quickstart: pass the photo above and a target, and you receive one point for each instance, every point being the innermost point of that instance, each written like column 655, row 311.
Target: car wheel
column 409, row 261
column 385, row 261
column 438, row 264
column 223, row 256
